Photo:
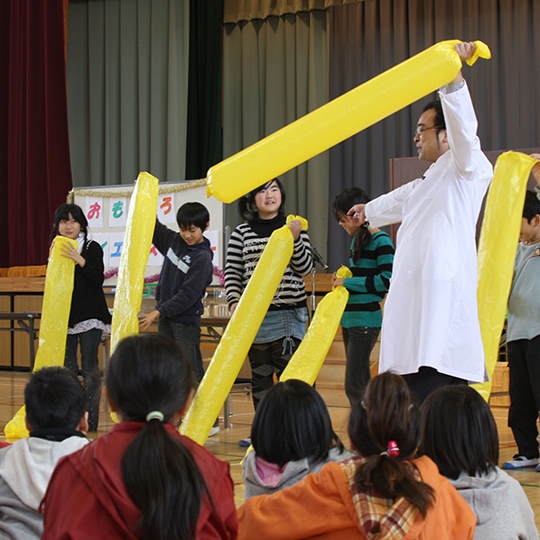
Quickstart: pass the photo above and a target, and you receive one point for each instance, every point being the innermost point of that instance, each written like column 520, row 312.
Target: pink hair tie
column 392, row 450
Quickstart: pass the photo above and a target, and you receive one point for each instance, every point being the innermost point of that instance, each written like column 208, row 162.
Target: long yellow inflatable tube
column 497, row 251
column 140, row 224
column 307, row 361
column 338, row 120
column 54, row 322
column 238, row 336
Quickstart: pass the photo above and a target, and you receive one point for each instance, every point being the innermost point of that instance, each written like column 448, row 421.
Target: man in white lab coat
column 430, row 330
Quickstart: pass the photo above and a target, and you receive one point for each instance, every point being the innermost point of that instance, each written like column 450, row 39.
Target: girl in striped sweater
column 284, row 325
column 371, row 257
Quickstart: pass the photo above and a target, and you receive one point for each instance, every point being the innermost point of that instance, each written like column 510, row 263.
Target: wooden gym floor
column 224, row 444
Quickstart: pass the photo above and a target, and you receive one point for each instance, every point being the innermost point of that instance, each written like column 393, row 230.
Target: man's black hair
column 439, row 114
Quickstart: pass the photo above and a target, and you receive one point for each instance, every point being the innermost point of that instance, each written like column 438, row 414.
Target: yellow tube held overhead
column 308, row 359
column 140, row 224
column 337, row 120
column 497, row 251
column 54, row 322
column 238, row 336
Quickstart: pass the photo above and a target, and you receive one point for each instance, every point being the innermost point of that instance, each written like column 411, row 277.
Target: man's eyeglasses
column 420, row 129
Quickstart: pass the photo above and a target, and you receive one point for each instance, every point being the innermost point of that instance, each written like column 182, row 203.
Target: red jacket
column 86, row 497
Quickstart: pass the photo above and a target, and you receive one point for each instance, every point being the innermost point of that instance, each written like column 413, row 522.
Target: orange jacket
column 321, row 506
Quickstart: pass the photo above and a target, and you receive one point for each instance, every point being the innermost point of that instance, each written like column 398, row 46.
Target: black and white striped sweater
column 243, row 253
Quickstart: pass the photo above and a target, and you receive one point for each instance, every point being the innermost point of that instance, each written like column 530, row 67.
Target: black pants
column 265, row 360
column 524, row 363
column 427, row 380
column 89, row 342
column 359, row 342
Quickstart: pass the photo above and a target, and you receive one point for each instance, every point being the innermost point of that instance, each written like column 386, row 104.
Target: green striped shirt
column 370, row 281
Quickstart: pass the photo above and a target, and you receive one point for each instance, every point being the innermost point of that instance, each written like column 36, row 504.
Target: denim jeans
column 282, row 323
column 188, row 336
column 89, row 342
column 359, row 342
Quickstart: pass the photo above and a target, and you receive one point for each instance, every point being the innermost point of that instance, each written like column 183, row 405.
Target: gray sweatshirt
column 502, row 509
column 294, row 472
column 25, row 470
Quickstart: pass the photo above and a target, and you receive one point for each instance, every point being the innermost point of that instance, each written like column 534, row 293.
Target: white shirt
column 431, row 312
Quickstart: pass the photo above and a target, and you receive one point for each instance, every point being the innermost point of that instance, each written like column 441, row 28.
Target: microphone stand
column 319, row 260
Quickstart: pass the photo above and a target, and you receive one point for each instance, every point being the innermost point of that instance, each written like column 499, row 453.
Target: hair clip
column 392, row 450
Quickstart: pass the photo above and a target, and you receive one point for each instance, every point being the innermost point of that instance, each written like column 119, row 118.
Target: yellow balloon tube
column 308, row 359
column 337, row 120
column 54, row 322
column 141, row 221
column 238, row 336
column 497, row 251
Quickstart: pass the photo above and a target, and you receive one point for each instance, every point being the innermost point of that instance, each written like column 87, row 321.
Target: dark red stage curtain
column 35, row 171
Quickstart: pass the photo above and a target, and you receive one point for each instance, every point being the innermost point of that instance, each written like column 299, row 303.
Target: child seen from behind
column 57, row 419
column 459, row 434
column 385, row 492
column 292, row 436
column 143, row 479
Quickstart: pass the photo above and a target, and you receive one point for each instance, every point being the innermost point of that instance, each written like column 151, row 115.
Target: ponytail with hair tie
column 392, row 449
column 155, row 415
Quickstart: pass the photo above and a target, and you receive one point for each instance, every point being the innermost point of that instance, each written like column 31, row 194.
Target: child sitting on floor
column 459, row 434
column 57, row 419
column 292, row 436
column 143, row 479
column 385, row 492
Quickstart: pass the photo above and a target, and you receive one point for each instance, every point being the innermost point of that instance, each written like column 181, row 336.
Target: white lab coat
column 431, row 312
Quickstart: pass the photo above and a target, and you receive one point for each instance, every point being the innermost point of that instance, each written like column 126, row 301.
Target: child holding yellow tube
column 187, row 271
column 284, row 325
column 523, row 337
column 371, row 258
column 89, row 316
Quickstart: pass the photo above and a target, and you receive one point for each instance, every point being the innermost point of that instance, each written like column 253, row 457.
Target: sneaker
column 214, row 431
column 520, row 462
column 245, row 443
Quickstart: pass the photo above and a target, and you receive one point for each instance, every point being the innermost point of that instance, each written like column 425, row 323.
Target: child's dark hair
column 292, row 423
column 246, row 204
column 532, row 205
column 62, row 213
column 341, row 205
column 458, row 432
column 439, row 120
column 193, row 214
column 145, row 374
column 54, row 398
column 387, row 413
